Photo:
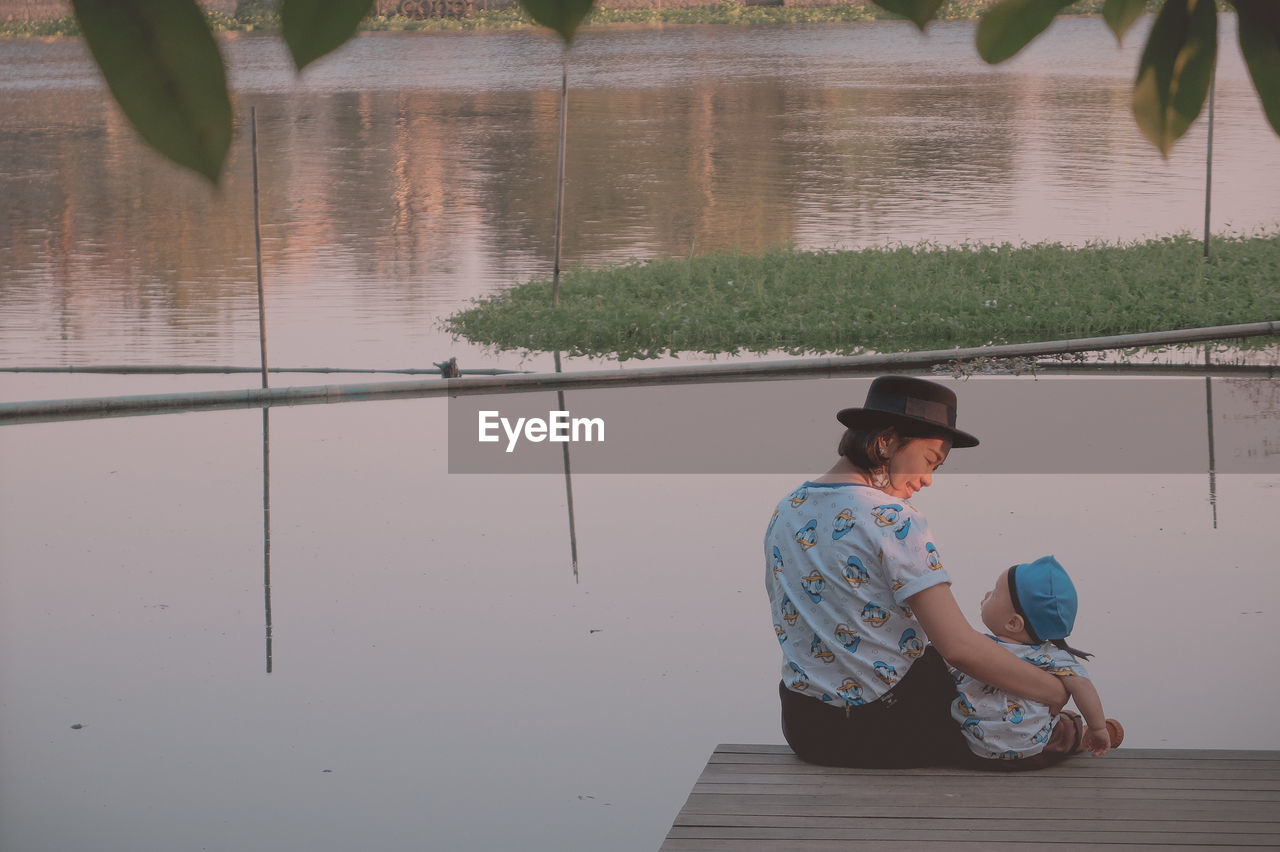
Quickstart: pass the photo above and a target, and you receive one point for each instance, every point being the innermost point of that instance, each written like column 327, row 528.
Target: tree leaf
column 1121, row 14
column 312, row 28
column 1260, row 43
column 1175, row 70
column 919, row 12
column 1008, row 26
column 563, row 16
column 164, row 69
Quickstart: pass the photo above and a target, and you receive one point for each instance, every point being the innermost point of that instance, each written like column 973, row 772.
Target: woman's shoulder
column 825, row 491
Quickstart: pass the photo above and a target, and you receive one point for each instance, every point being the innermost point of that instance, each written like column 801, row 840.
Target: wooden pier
column 761, row 797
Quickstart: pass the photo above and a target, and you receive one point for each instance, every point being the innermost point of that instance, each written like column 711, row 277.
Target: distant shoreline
column 505, row 14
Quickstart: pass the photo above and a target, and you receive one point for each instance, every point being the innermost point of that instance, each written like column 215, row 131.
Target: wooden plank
column 1262, row 755
column 844, row 823
column 999, row 789
column 1082, row 767
column 1063, row 842
column 1179, row 779
column 989, row 780
column 1133, row 757
column 1085, row 767
column 758, row 797
column 1085, row 835
column 1140, row 809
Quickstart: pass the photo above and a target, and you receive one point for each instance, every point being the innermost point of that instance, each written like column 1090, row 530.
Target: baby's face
column 997, row 605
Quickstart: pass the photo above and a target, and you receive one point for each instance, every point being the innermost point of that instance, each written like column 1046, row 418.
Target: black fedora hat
column 908, row 401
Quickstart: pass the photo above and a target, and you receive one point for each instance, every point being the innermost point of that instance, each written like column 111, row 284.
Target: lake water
column 408, row 174
column 433, row 674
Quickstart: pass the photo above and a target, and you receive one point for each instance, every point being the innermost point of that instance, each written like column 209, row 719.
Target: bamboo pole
column 1208, row 162
column 564, row 132
column 185, row 369
column 266, row 411
column 852, row 365
column 1111, row 368
column 568, row 484
column 1208, row 410
column 555, row 283
column 1052, row 366
column 266, row 527
column 257, row 243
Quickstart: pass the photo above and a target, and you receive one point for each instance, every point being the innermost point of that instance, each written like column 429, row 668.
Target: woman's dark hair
column 858, row 445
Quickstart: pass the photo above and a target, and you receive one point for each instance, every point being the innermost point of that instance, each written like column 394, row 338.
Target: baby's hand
column 1097, row 741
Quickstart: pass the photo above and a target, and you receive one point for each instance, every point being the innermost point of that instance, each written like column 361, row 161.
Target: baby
column 1031, row 612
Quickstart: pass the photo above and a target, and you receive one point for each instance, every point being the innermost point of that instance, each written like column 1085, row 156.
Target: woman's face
column 911, row 467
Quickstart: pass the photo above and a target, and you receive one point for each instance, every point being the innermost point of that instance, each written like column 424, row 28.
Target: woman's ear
column 885, row 444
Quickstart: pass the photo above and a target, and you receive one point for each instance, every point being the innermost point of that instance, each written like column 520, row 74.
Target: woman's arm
column 976, row 655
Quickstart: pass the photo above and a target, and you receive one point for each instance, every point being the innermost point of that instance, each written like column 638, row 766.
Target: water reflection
column 266, row 527
column 568, row 483
column 405, row 176
column 1213, row 471
column 464, row 690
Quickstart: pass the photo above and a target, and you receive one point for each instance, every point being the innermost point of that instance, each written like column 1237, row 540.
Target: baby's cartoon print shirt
column 1000, row 726
column 841, row 560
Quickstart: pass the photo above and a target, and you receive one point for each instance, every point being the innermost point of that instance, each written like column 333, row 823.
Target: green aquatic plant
column 50, row 28
column 883, row 299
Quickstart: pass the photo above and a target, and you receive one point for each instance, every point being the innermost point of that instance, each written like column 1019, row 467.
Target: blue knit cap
column 1045, row 597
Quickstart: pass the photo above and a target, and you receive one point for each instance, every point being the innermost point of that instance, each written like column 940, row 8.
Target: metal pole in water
column 266, row 525
column 555, row 284
column 1208, row 409
column 257, row 242
column 33, row 411
column 1208, row 161
column 564, row 131
column 266, row 412
column 181, row 369
column 568, row 484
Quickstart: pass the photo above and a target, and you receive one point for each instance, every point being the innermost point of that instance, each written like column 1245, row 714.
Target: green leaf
column 920, row 12
column 1008, row 26
column 164, row 69
column 312, row 28
column 1260, row 43
column 563, row 16
column 1175, row 70
column 1120, row 15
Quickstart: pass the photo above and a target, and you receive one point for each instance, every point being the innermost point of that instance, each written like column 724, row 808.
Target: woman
column 862, row 604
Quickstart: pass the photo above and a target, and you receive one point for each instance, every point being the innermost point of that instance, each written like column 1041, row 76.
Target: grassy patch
column 884, row 300
column 40, row 29
column 723, row 12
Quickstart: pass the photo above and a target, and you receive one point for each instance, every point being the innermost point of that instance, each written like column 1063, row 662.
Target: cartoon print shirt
column 1001, row 726
column 841, row 561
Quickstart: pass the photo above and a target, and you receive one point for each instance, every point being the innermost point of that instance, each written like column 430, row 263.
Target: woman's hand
column 976, row 655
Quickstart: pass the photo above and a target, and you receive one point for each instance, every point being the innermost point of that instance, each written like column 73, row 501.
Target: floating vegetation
column 884, row 299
